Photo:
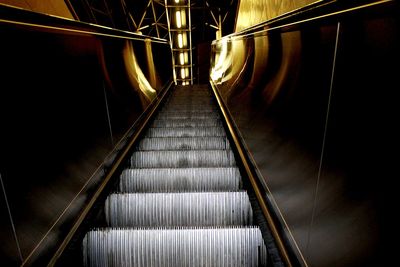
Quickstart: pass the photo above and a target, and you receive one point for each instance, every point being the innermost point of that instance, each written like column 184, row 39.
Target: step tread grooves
column 178, row 209
column 182, row 179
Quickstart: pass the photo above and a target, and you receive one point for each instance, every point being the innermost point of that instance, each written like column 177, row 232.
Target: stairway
column 181, row 202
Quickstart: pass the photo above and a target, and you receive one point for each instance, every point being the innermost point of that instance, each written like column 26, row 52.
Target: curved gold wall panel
column 252, row 12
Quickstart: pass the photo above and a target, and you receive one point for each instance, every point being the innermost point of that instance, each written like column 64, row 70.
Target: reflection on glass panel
column 135, row 73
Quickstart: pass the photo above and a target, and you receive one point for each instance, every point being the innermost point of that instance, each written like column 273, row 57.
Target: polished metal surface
column 180, row 180
column 178, row 209
column 188, row 143
column 312, row 100
column 187, row 123
column 186, row 132
column 228, row 247
column 183, row 159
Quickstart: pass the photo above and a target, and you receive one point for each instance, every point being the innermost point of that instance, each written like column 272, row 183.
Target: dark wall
column 203, row 62
column 314, row 103
column 60, row 94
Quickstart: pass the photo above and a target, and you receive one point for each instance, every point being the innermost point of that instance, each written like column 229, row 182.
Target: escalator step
column 202, row 93
column 199, row 105
column 171, row 112
column 187, row 123
column 195, row 114
column 183, row 143
column 182, row 159
column 220, row 247
column 182, row 179
column 185, row 132
column 190, row 103
column 178, row 209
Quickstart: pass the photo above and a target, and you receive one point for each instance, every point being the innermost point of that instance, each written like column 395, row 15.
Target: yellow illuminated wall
column 252, row 12
column 51, row 7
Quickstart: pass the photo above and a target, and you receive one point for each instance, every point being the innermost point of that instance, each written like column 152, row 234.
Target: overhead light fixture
column 183, row 73
column 178, row 19
column 180, row 40
column 183, row 58
column 183, row 18
column 179, row 27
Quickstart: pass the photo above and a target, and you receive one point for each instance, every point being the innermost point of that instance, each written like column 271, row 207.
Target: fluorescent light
column 180, row 40
column 183, row 58
column 184, row 37
column 186, row 57
column 178, row 19
column 183, row 18
column 183, row 73
column 177, row 1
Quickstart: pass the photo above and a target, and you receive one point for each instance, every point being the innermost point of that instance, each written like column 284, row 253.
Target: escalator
column 182, row 202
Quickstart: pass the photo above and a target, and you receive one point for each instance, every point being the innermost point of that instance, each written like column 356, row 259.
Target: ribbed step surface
column 182, row 159
column 221, row 247
column 185, row 132
column 180, row 105
column 187, row 115
column 178, row 180
column 184, row 143
column 187, row 123
column 200, row 107
column 178, row 209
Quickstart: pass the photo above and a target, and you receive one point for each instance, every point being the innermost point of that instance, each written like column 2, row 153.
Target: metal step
column 183, row 143
column 186, row 123
column 182, row 159
column 180, row 180
column 178, row 209
column 215, row 247
column 185, row 132
column 191, row 114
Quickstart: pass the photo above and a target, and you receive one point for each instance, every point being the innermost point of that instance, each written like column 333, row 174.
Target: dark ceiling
column 134, row 15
